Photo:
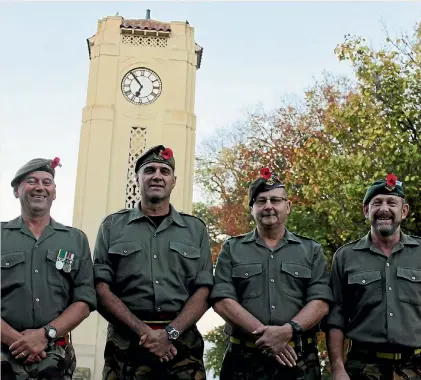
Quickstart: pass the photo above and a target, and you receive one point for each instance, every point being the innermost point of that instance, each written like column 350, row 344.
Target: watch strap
column 296, row 328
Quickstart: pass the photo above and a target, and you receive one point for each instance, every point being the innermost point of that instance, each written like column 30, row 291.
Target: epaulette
column 77, row 229
column 413, row 236
column 303, row 237
column 347, row 244
column 122, row 211
column 119, row 212
column 351, row 242
column 193, row 216
column 237, row 236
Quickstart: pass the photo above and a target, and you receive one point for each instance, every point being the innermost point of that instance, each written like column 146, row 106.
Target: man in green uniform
column 46, row 281
column 376, row 282
column 153, row 273
column 272, row 289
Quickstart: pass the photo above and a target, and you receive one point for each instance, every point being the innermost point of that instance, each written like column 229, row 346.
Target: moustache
column 383, row 215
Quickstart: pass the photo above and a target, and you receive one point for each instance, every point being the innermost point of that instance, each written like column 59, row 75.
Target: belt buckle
column 389, row 355
column 241, row 342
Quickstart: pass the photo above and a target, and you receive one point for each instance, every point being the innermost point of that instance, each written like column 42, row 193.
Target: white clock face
column 141, row 86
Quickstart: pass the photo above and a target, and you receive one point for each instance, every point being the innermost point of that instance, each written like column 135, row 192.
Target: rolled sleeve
column 318, row 286
column 103, row 266
column 335, row 318
column 83, row 283
column 205, row 275
column 204, row 278
column 224, row 287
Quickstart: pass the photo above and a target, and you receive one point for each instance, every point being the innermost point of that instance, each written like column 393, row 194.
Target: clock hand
column 137, row 80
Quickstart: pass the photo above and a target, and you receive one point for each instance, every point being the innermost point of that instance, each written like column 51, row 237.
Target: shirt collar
column 252, row 236
column 137, row 214
column 18, row 223
column 366, row 243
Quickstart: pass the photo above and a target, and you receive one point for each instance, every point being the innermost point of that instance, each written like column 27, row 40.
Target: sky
column 254, row 53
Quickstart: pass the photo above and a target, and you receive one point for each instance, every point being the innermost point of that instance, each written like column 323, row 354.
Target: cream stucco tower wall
column 115, row 132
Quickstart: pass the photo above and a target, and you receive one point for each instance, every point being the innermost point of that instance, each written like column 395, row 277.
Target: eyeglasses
column 273, row 200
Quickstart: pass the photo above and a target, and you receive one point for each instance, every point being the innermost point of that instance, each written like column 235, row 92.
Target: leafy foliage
column 327, row 149
column 215, row 355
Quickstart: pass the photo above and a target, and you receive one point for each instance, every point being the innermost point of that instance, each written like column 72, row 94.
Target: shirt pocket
column 409, row 284
column 127, row 256
column 60, row 278
column 365, row 287
column 294, row 279
column 186, row 259
column 12, row 271
column 248, row 280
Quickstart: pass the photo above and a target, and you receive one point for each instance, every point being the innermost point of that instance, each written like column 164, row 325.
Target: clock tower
column 141, row 93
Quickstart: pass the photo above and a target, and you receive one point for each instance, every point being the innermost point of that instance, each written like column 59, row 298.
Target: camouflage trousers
column 126, row 360
column 363, row 369
column 248, row 363
column 60, row 363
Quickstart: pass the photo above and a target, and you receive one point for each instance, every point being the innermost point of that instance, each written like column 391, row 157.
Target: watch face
column 174, row 334
column 141, row 86
column 52, row 333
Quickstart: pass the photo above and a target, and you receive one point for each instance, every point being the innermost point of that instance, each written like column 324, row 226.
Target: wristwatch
column 50, row 333
column 173, row 333
column 297, row 331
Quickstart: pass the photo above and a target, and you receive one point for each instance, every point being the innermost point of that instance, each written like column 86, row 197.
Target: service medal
column 68, row 264
column 61, row 257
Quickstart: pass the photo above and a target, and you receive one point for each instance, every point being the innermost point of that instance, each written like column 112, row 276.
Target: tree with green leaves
column 343, row 136
column 215, row 355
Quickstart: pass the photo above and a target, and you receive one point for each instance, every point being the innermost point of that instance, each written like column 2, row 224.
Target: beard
column 385, row 229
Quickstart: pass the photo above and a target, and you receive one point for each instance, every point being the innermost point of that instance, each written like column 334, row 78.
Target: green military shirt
column 153, row 269
column 272, row 284
column 33, row 291
column 378, row 298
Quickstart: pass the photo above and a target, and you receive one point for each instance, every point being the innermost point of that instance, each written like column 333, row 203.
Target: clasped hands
column 157, row 342
column 30, row 346
column 274, row 340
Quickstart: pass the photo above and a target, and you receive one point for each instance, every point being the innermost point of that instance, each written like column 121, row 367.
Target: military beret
column 36, row 164
column 158, row 154
column 388, row 186
column 266, row 182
